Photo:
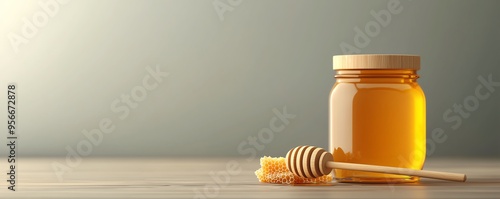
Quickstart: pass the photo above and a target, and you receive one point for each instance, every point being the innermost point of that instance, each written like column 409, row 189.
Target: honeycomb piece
column 273, row 170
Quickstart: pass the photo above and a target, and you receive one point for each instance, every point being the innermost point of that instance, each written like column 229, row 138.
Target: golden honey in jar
column 377, row 116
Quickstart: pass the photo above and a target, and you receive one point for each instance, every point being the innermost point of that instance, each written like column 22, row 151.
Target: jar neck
column 377, row 75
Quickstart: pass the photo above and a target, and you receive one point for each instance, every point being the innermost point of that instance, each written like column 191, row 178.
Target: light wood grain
column 182, row 178
column 376, row 61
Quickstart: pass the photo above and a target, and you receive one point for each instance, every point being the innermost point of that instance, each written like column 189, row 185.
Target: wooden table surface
column 192, row 178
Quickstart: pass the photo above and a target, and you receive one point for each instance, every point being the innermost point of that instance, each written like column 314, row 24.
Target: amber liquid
column 377, row 117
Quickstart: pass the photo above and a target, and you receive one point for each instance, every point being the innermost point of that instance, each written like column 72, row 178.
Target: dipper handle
column 396, row 170
column 312, row 162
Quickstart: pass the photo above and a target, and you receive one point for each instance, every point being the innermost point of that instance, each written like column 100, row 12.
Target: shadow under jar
column 377, row 116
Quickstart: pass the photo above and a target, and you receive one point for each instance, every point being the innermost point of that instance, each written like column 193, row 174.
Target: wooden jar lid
column 376, row 61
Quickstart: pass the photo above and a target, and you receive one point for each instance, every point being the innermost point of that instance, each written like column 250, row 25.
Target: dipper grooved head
column 308, row 161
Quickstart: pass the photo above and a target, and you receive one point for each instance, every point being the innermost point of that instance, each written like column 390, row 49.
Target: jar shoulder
column 352, row 90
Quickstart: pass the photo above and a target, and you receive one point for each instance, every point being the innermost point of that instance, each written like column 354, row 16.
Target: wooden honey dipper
column 313, row 162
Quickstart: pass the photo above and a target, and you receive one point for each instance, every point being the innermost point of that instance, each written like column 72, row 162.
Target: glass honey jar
column 377, row 116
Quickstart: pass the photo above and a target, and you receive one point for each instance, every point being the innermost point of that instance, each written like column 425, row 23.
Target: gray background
column 227, row 76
